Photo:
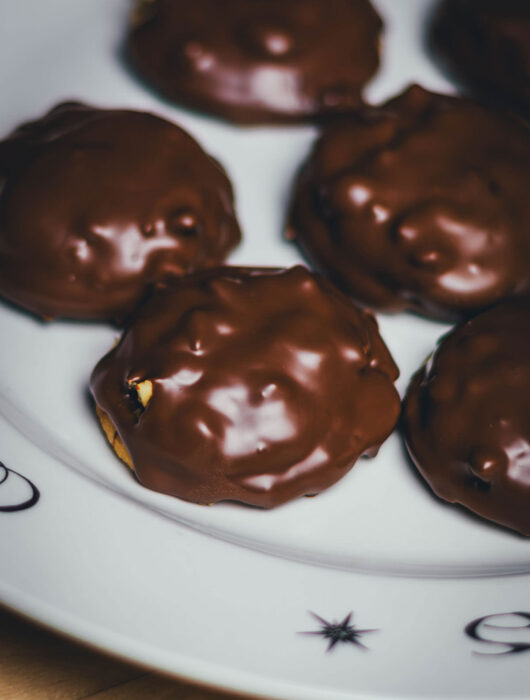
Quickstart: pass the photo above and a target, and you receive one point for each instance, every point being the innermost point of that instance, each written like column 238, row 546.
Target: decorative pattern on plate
column 481, row 625
column 339, row 632
column 5, row 475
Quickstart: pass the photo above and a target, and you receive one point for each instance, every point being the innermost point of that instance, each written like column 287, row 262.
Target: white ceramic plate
column 220, row 595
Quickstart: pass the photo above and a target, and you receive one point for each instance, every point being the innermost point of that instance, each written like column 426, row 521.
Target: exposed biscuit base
column 144, row 391
column 113, row 437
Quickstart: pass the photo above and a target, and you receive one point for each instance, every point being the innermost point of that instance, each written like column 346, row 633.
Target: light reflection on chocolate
column 467, row 416
column 266, row 385
column 267, row 61
column 419, row 204
column 95, row 205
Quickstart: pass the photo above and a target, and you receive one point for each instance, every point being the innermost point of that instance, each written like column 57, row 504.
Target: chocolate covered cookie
column 467, row 416
column 252, row 62
column 247, row 384
column 486, row 44
column 420, row 204
column 97, row 204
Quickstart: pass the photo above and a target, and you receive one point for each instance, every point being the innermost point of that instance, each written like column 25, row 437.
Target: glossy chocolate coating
column 486, row 43
column 420, row 204
column 259, row 60
column 267, row 385
column 97, row 204
column 467, row 416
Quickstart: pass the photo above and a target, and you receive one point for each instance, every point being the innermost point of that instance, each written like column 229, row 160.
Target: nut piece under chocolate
column 247, row 384
column 97, row 204
column 467, row 416
column 420, row 204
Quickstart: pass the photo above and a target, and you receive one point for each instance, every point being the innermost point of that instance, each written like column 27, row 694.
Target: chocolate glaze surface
column 267, row 385
column 96, row 204
column 420, row 204
column 467, row 416
column 258, row 61
column 486, row 43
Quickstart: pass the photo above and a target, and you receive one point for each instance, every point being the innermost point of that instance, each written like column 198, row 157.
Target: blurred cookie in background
column 485, row 44
column 257, row 62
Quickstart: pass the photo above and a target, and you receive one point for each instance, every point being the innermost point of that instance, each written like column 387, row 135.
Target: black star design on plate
column 339, row 632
